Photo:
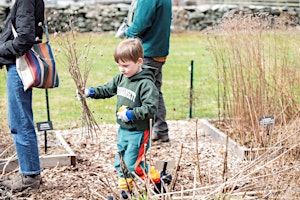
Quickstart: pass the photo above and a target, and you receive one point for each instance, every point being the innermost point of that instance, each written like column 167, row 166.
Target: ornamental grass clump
column 258, row 75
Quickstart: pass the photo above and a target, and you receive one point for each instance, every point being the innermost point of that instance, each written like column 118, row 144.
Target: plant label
column 266, row 120
column 44, row 126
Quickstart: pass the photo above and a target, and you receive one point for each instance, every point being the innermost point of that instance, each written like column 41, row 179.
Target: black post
column 48, row 117
column 191, row 89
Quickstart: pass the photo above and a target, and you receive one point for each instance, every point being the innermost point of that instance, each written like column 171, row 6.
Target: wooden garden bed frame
column 241, row 152
column 68, row 158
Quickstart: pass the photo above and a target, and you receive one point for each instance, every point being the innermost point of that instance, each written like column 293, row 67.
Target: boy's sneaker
column 124, row 195
column 21, row 182
column 127, row 194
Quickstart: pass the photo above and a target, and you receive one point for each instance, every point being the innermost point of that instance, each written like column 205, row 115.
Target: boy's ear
column 140, row 61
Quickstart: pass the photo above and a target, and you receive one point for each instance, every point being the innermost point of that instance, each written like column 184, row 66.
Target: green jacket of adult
column 151, row 23
column 138, row 93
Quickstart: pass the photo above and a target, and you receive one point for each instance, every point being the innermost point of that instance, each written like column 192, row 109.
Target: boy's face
column 130, row 68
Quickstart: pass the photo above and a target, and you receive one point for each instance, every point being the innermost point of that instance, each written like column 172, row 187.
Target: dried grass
column 258, row 74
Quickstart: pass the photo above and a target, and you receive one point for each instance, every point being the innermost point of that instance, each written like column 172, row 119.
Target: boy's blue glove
column 88, row 92
column 124, row 114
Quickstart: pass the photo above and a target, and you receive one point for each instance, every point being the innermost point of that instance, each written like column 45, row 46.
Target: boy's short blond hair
column 129, row 50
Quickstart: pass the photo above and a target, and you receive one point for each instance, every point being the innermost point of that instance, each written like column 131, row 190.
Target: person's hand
column 88, row 92
column 124, row 114
column 122, row 29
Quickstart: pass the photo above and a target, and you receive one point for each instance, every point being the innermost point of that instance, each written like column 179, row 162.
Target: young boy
column 137, row 101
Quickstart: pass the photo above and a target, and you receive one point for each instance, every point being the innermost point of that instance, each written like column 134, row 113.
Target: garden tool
column 165, row 178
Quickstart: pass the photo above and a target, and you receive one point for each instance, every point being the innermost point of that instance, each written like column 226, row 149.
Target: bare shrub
column 258, row 75
column 76, row 59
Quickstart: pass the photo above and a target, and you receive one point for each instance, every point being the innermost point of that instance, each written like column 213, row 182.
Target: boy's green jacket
column 138, row 93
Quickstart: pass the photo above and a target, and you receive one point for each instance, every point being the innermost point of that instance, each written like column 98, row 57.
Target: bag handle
column 46, row 30
column 16, row 34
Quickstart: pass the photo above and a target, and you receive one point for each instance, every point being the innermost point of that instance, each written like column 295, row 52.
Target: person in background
column 27, row 17
column 137, row 100
column 151, row 22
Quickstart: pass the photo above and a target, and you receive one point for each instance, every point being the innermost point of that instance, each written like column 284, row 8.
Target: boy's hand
column 88, row 92
column 124, row 114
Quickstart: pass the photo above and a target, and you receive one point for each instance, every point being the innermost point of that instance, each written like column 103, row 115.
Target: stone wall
column 98, row 18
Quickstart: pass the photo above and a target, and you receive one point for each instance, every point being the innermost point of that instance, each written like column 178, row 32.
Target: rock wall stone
column 99, row 18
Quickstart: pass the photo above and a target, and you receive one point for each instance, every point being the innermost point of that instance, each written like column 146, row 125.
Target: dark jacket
column 26, row 16
column 152, row 23
column 138, row 92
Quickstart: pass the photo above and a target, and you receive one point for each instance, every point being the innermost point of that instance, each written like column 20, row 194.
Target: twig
column 109, row 186
column 195, row 181
column 244, row 177
column 79, row 68
column 172, row 185
column 125, row 171
column 142, row 181
column 197, row 153
column 7, row 163
column 5, row 150
column 224, row 174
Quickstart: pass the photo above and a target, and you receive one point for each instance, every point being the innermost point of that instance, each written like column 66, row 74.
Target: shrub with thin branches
column 76, row 59
column 258, row 74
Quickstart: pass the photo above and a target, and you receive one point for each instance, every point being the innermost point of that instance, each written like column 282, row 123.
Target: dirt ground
column 94, row 177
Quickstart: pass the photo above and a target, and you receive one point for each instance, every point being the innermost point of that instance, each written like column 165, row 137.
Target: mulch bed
column 94, row 176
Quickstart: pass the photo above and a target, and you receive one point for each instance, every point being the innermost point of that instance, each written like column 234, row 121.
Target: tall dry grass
column 258, row 75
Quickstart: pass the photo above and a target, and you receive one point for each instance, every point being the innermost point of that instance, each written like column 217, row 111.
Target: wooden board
column 240, row 151
column 67, row 158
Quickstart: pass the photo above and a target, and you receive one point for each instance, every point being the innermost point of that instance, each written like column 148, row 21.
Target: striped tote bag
column 36, row 67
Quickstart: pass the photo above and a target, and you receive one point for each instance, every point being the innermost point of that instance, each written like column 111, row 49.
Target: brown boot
column 11, row 176
column 21, row 182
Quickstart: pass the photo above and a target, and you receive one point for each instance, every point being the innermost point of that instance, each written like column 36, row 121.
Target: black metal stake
column 48, row 116
column 191, row 89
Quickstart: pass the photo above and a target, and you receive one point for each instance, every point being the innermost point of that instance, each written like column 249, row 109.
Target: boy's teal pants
column 131, row 145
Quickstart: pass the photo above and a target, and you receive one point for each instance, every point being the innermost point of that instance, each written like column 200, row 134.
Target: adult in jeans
column 27, row 17
column 151, row 22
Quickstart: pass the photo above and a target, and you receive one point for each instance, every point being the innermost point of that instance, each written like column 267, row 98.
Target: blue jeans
column 20, row 118
column 160, row 125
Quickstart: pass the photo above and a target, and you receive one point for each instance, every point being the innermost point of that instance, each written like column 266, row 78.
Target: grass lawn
column 65, row 109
